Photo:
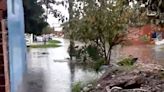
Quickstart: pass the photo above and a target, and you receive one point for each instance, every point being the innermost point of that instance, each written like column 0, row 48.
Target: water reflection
column 49, row 70
column 144, row 53
column 159, row 54
column 34, row 82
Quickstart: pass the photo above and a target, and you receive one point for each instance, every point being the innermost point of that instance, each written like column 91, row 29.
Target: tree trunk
column 108, row 56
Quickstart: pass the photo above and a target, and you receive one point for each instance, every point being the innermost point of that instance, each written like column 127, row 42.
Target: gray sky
column 54, row 21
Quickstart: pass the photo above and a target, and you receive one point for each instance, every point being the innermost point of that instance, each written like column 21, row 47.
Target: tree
column 50, row 10
column 48, row 30
column 154, row 9
column 102, row 23
column 34, row 18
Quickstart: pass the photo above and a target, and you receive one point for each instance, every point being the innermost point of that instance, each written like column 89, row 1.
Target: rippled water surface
column 144, row 53
column 49, row 70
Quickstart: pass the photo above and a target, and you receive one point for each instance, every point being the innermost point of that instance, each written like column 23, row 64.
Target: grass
column 49, row 44
column 54, row 41
column 78, row 86
column 45, row 46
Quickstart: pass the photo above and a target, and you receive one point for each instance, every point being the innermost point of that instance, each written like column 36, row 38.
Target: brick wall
column 3, row 4
column 3, row 8
column 136, row 33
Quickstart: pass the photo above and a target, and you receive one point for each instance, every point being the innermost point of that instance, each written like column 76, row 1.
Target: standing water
column 144, row 53
column 49, row 70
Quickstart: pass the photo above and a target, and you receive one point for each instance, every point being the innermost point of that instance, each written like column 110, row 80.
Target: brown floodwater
column 144, row 53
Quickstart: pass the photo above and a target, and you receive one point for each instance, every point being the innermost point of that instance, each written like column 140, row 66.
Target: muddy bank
column 139, row 78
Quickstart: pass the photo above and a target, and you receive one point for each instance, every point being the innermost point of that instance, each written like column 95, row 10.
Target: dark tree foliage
column 34, row 18
column 57, row 14
column 153, row 5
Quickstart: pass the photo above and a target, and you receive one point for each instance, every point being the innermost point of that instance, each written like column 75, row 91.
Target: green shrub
column 97, row 64
column 93, row 52
column 126, row 62
column 144, row 38
column 76, row 87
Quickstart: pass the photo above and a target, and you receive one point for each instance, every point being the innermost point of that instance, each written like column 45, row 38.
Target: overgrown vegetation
column 127, row 62
column 87, row 56
column 100, row 24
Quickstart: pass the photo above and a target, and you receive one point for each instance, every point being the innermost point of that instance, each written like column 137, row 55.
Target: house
column 143, row 34
column 3, row 9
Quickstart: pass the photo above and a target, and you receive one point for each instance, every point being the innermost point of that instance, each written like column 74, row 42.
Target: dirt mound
column 142, row 78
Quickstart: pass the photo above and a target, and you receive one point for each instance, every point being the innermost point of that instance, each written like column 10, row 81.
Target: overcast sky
column 54, row 21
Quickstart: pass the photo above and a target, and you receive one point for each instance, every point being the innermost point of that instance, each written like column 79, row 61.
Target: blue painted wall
column 17, row 48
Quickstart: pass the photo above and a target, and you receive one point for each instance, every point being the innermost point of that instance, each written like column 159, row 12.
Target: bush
column 144, row 38
column 77, row 87
column 127, row 61
column 93, row 52
column 97, row 65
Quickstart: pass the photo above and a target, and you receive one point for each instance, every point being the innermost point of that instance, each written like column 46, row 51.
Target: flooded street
column 49, row 70
column 144, row 53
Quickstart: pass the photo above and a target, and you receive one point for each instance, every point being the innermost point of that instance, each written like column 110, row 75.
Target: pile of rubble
column 142, row 78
